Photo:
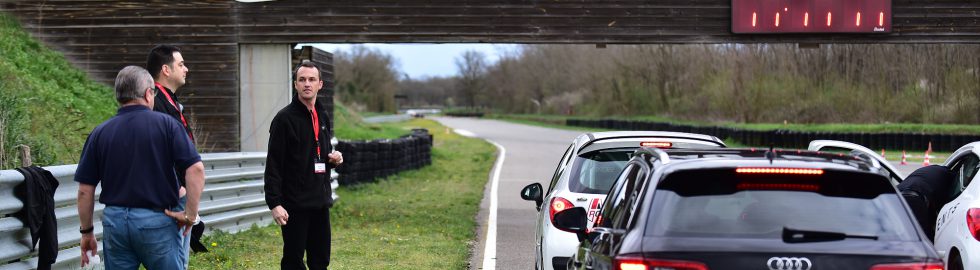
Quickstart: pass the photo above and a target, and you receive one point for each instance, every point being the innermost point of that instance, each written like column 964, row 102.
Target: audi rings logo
column 789, row 263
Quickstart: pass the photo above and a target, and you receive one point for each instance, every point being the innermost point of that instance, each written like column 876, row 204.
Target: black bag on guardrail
column 37, row 193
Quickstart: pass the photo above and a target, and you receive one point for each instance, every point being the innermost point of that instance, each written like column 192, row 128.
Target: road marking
column 465, row 133
column 490, row 250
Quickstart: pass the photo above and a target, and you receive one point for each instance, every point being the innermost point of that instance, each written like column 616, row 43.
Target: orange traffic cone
column 883, row 152
column 903, row 159
column 925, row 162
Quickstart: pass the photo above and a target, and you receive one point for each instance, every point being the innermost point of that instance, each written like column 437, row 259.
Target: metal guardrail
column 233, row 200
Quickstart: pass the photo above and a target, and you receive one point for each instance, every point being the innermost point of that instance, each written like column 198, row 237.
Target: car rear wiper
column 803, row 236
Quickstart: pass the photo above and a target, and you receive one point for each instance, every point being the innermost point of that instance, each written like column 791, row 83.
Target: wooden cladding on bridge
column 103, row 36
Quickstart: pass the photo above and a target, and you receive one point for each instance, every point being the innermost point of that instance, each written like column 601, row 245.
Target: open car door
column 862, row 152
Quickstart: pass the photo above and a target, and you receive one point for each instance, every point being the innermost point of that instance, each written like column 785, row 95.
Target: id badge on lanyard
column 319, row 167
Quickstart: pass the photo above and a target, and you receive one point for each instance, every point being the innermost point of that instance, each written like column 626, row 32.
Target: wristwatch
column 86, row 231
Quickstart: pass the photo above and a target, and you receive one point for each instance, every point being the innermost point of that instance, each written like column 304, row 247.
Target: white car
column 585, row 173
column 957, row 235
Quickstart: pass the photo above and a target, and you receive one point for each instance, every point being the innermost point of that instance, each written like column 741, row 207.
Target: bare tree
column 366, row 78
column 472, row 69
column 838, row 83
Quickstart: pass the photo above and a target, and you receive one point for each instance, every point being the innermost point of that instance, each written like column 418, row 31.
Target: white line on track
column 490, row 251
column 465, row 133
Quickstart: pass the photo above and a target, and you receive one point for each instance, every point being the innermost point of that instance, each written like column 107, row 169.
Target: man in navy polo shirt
column 134, row 155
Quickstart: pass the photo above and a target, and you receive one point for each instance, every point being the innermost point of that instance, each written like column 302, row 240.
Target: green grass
column 421, row 219
column 842, row 127
column 551, row 121
column 45, row 102
column 544, row 122
column 349, row 126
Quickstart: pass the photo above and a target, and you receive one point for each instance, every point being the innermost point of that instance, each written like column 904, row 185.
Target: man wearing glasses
column 133, row 155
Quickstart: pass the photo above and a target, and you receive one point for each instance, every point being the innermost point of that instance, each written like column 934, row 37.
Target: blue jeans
column 185, row 245
column 134, row 236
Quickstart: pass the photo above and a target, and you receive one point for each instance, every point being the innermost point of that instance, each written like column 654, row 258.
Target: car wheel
column 955, row 263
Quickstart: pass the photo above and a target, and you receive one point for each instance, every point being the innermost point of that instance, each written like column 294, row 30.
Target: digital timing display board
column 811, row 16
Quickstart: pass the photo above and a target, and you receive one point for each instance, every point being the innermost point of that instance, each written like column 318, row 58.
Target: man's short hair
column 159, row 56
column 131, row 83
column 309, row 64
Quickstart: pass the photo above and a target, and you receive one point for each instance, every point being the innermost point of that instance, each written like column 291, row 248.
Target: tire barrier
column 367, row 161
column 792, row 138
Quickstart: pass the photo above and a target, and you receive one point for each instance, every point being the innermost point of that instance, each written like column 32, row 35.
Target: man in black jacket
column 297, row 175
column 926, row 190
column 166, row 64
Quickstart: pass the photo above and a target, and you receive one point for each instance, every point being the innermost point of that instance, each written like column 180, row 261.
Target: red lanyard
column 316, row 132
column 164, row 91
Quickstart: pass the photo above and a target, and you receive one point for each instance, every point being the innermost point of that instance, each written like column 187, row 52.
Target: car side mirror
column 532, row 192
column 573, row 220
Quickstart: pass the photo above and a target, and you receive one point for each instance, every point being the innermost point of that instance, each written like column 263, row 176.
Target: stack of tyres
column 367, row 161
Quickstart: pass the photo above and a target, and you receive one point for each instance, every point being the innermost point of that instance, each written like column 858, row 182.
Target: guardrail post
column 25, row 155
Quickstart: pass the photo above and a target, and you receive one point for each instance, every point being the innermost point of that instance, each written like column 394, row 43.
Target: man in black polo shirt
column 297, row 174
column 133, row 156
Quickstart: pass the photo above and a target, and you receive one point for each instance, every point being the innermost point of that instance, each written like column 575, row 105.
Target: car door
column 600, row 228
column 563, row 164
column 876, row 160
column 610, row 231
column 965, row 165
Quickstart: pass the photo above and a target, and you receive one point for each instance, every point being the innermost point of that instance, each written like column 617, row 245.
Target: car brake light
column 777, row 186
column 973, row 222
column 657, row 144
column 559, row 204
column 803, row 171
column 636, row 263
column 909, row 266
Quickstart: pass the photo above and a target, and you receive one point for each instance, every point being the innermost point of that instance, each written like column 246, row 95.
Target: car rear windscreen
column 595, row 172
column 724, row 204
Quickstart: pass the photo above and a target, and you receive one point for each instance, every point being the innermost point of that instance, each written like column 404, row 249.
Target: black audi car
column 749, row 209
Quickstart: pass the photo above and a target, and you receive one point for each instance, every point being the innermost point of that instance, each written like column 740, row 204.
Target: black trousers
column 306, row 231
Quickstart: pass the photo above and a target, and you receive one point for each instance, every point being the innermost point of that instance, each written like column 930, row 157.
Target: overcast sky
column 428, row 60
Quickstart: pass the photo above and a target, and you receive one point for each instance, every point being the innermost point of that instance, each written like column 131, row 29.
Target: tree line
column 749, row 83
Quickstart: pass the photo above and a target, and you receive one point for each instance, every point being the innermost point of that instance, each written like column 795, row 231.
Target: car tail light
column 657, row 144
column 777, row 186
column 764, row 170
column 973, row 222
column 909, row 266
column 558, row 204
column 637, row 263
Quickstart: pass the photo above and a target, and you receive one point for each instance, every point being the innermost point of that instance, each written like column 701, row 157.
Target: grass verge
column 841, row 127
column 422, row 219
column 349, row 125
column 45, row 102
column 552, row 122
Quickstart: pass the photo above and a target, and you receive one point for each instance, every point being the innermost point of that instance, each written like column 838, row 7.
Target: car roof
column 587, row 139
column 720, row 158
